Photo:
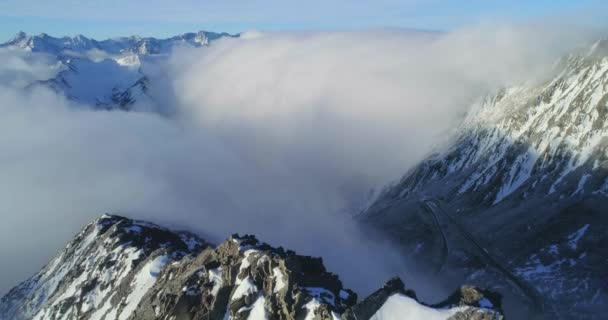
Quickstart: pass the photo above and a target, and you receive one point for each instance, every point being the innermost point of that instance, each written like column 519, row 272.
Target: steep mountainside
column 520, row 193
column 118, row 268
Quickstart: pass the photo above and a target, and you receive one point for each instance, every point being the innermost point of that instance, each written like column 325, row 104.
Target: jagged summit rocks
column 123, row 269
column 243, row 278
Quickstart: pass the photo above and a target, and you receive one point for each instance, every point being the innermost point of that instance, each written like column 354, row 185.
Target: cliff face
column 118, row 268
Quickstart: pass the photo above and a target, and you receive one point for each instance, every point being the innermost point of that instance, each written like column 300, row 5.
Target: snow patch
column 581, row 184
column 245, row 288
column 215, row 275
column 279, row 279
column 399, row 307
column 142, row 282
column 311, row 306
column 575, row 237
column 258, row 312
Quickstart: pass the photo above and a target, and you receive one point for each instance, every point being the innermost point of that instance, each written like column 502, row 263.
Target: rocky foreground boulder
column 122, row 269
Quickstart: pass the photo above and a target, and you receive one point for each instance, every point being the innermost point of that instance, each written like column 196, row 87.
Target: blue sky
column 161, row 18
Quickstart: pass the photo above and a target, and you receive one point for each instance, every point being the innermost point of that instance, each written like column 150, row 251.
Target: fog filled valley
column 473, row 156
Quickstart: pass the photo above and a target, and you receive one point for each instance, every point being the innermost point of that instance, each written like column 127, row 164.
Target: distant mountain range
column 125, row 45
column 105, row 74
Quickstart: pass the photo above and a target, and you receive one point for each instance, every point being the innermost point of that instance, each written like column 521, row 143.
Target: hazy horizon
column 110, row 20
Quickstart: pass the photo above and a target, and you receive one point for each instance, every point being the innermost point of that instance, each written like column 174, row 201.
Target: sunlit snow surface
column 258, row 312
column 278, row 276
column 143, row 281
column 400, row 307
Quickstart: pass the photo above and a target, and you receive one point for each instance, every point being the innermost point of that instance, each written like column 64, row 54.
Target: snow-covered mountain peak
column 18, row 37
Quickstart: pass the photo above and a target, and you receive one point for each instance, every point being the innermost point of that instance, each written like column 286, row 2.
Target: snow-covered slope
column 112, row 256
column 527, row 178
column 531, row 140
column 119, row 269
column 106, row 74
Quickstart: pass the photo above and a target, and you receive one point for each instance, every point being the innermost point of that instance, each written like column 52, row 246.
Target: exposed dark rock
column 366, row 308
column 473, row 297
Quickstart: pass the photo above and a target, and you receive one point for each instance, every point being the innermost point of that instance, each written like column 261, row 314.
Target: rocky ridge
column 118, row 268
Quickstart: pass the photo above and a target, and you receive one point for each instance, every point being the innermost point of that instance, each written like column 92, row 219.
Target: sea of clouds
column 283, row 135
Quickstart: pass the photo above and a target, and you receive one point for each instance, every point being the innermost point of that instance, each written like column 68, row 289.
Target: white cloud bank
column 20, row 68
column 276, row 135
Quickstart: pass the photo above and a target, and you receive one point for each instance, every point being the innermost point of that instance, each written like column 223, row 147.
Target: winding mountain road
column 433, row 207
column 445, row 250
